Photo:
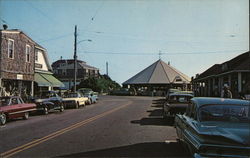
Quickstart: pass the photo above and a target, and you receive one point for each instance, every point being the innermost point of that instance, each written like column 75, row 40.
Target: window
column 11, row 48
column 36, row 55
column 27, row 53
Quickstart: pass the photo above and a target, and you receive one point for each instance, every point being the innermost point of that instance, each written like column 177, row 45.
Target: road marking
column 57, row 133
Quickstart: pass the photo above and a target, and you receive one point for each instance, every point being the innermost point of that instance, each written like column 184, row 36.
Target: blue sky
column 130, row 33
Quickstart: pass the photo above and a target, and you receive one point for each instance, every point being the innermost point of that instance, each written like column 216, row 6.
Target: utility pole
column 107, row 68
column 75, row 58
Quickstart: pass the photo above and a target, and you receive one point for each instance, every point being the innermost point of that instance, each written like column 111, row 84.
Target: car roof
column 212, row 100
column 181, row 94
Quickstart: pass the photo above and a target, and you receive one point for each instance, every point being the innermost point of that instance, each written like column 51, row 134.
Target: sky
column 192, row 35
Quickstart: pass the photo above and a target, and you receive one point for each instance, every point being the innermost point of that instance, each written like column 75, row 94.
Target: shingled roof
column 158, row 73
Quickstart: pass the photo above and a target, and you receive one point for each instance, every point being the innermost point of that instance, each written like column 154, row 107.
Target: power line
column 39, row 11
column 56, row 38
column 189, row 53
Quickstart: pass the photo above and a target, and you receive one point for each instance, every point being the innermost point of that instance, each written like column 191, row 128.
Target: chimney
column 169, row 63
column 5, row 26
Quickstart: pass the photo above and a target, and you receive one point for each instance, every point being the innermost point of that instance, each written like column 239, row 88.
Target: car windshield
column 72, row 95
column 4, row 101
column 179, row 99
column 226, row 113
column 45, row 95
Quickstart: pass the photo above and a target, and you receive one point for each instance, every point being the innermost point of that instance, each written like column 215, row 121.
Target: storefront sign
column 19, row 76
column 38, row 65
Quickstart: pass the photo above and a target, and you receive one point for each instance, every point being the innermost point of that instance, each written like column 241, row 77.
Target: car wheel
column 61, row 108
column 26, row 116
column 3, row 119
column 77, row 105
column 45, row 111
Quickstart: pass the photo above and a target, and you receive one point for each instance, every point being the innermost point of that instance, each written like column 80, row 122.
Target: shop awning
column 54, row 82
column 41, row 81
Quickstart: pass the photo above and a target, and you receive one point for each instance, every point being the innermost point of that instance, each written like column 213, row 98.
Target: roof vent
column 5, row 26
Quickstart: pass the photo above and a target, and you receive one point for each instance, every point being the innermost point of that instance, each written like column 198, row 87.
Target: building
column 158, row 77
column 64, row 71
column 44, row 79
column 24, row 65
column 235, row 73
column 16, row 63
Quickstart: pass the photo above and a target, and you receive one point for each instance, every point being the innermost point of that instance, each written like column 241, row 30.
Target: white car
column 75, row 100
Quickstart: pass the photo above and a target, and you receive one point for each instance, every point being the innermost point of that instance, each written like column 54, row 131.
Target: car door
column 53, row 98
column 14, row 108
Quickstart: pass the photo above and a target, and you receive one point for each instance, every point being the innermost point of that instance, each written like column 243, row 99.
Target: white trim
column 26, row 59
column 9, row 49
column 22, row 111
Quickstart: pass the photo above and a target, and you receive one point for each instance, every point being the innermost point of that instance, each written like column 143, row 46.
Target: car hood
column 42, row 100
column 236, row 132
column 68, row 99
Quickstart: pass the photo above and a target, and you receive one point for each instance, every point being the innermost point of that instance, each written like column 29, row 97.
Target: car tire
column 3, row 119
column 61, row 108
column 77, row 105
column 26, row 116
column 45, row 111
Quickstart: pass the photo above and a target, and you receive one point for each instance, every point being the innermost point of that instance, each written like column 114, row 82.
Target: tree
column 102, row 84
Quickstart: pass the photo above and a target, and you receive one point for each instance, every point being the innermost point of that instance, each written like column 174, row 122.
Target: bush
column 102, row 84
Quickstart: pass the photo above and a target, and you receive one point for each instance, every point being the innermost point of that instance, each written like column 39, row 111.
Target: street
column 116, row 126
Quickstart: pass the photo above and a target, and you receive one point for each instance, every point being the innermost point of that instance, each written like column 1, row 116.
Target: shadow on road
column 154, row 121
column 155, row 116
column 154, row 149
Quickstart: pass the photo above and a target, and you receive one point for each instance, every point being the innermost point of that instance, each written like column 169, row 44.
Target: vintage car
column 13, row 107
column 49, row 101
column 92, row 98
column 75, row 100
column 176, row 104
column 215, row 127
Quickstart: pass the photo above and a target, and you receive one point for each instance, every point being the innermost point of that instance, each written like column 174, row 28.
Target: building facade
column 64, row 71
column 44, row 79
column 16, row 63
column 235, row 73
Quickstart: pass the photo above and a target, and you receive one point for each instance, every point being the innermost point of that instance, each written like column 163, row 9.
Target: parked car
column 13, row 107
column 184, row 92
column 121, row 92
column 176, row 104
column 91, row 97
column 96, row 95
column 75, row 99
column 49, row 100
column 84, row 90
column 215, row 127
column 170, row 91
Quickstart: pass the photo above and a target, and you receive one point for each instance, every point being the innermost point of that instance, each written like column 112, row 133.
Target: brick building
column 16, row 62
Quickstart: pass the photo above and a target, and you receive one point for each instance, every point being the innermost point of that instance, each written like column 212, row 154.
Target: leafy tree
column 102, row 84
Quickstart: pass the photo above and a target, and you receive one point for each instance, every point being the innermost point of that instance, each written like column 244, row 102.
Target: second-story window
column 27, row 53
column 11, row 48
column 36, row 56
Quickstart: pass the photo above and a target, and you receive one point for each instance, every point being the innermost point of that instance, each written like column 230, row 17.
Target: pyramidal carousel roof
column 158, row 73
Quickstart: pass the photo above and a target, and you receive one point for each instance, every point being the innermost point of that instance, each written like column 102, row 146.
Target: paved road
column 113, row 127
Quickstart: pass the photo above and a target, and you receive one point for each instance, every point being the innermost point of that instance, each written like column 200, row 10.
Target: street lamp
column 75, row 56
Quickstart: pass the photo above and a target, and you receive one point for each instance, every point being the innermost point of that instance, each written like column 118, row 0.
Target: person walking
column 226, row 93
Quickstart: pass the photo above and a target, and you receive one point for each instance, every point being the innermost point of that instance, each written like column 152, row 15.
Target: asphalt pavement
column 116, row 126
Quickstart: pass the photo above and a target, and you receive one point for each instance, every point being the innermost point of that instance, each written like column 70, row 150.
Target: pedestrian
column 226, row 93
